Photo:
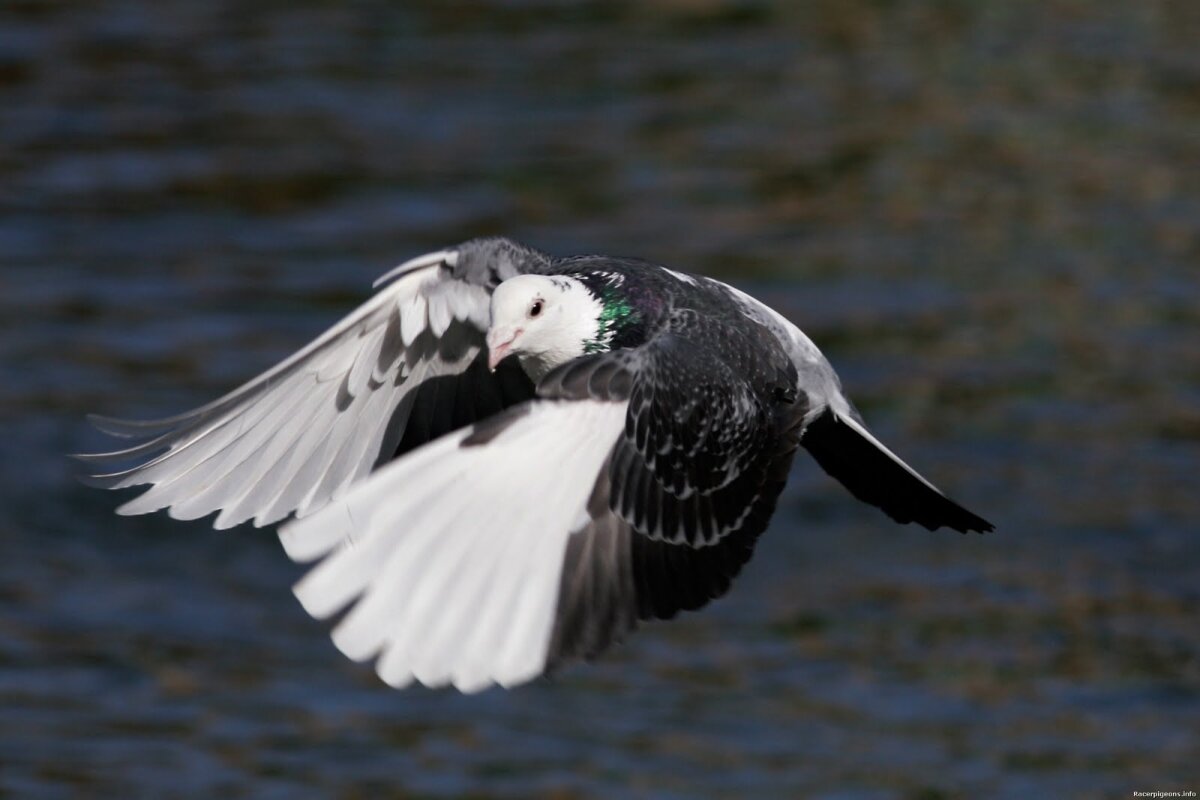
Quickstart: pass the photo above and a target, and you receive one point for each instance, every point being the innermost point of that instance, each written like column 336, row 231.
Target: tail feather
column 875, row 475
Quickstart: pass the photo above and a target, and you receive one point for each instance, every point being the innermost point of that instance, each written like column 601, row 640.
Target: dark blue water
column 987, row 216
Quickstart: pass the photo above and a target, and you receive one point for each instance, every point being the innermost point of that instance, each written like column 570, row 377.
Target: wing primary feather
column 159, row 442
column 220, row 435
column 186, row 478
column 238, row 468
column 433, row 587
column 277, row 503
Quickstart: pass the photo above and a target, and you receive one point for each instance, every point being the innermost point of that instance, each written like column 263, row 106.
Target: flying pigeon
column 504, row 461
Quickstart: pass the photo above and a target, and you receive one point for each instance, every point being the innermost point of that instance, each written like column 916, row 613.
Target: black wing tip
column 955, row 517
column 970, row 523
column 877, row 478
column 978, row 525
column 946, row 513
column 940, row 512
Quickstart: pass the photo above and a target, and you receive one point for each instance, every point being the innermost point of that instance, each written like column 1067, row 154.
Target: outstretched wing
column 405, row 367
column 545, row 533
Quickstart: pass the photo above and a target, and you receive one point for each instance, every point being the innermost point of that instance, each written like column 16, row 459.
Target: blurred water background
column 987, row 214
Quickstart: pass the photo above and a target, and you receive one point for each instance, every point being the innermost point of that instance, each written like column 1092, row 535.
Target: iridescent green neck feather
column 615, row 313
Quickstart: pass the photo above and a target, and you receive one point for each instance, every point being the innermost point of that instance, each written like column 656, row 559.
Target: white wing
column 298, row 435
column 455, row 552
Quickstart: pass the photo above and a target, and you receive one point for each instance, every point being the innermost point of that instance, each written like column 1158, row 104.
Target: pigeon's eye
column 535, row 309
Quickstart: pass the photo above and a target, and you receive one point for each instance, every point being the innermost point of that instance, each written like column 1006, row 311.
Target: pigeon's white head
column 544, row 320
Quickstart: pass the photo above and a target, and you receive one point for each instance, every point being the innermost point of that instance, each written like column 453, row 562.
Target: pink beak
column 499, row 344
